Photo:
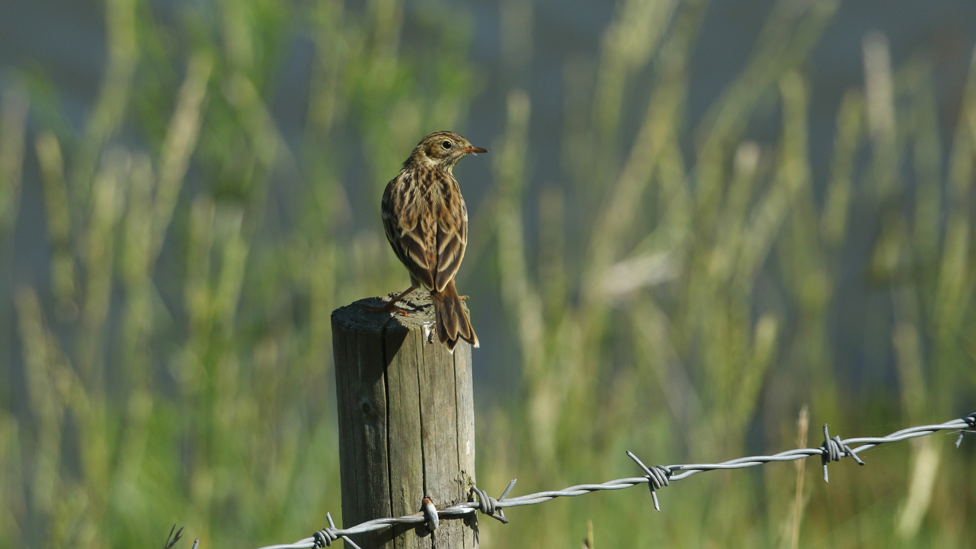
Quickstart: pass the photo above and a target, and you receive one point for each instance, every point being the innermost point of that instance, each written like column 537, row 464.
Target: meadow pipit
column 426, row 222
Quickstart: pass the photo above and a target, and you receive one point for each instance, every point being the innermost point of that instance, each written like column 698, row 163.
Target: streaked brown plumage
column 426, row 222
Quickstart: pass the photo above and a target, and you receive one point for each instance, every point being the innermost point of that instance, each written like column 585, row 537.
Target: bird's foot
column 389, row 306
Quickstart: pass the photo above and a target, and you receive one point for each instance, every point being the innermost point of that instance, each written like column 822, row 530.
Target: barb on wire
column 657, row 477
column 832, row 450
column 487, row 504
column 971, row 422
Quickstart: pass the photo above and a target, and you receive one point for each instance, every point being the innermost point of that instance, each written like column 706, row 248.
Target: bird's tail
column 452, row 321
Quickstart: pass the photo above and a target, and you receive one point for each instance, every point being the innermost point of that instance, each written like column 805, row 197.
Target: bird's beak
column 474, row 150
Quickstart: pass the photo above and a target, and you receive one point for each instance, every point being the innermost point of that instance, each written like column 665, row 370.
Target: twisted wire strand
column 657, row 477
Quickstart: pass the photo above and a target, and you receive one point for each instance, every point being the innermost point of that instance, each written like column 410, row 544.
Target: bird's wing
column 452, row 234
column 403, row 210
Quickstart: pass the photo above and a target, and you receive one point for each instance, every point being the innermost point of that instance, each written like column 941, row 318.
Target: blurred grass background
column 676, row 288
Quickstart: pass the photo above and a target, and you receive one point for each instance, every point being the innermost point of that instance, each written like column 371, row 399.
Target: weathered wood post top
column 406, row 422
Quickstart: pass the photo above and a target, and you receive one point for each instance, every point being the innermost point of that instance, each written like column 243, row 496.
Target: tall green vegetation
column 685, row 293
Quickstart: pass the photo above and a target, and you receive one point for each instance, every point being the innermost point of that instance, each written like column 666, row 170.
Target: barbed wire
column 656, row 477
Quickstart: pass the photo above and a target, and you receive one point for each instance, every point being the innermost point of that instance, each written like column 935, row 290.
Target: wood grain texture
column 406, row 422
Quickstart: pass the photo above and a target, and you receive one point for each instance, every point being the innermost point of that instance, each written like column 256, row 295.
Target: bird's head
column 442, row 150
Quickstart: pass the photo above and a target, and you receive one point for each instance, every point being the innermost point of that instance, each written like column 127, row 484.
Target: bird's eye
column 446, row 144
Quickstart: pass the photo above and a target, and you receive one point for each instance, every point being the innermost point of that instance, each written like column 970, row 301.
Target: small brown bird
column 426, row 222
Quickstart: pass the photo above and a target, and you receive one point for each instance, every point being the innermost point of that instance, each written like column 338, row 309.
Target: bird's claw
column 390, row 306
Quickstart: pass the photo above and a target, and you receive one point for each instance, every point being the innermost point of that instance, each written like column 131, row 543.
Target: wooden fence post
column 406, row 423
